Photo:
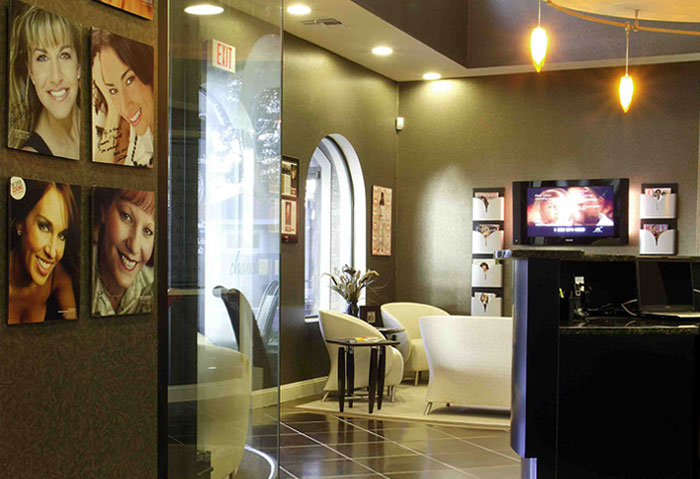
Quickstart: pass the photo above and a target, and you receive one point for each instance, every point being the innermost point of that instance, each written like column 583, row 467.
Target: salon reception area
column 275, row 239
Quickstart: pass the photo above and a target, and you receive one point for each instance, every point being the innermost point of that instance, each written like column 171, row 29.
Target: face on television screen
column 570, row 211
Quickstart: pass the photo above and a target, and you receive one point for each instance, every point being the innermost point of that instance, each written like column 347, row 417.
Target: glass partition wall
column 223, row 199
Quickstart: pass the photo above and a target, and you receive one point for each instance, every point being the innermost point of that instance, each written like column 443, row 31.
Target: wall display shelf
column 488, row 236
column 658, row 223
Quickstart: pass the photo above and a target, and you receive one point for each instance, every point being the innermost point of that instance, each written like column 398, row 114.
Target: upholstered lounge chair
column 338, row 326
column 406, row 316
column 470, row 360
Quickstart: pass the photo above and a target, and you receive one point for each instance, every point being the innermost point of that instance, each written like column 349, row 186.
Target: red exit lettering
column 223, row 55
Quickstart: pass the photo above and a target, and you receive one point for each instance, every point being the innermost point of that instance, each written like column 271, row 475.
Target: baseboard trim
column 288, row 392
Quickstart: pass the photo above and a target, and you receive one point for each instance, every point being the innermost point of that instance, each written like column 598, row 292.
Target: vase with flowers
column 349, row 284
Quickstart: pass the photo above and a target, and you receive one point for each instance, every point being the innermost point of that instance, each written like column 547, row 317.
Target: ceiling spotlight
column 382, row 51
column 203, row 9
column 432, row 76
column 298, row 9
column 538, row 41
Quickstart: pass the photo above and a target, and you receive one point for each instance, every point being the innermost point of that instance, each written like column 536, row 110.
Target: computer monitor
column 664, row 286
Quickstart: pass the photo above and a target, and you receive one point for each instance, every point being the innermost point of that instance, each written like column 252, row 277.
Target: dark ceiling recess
column 427, row 21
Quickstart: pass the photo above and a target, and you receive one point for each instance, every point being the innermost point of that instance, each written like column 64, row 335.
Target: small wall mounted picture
column 289, row 220
column 141, row 8
column 123, row 233
column 290, row 177
column 123, row 106
column 372, row 314
column 44, row 251
column 381, row 221
column 44, row 82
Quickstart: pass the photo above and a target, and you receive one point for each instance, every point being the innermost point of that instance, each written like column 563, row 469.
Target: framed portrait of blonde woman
column 44, row 69
column 44, row 251
column 123, row 101
column 141, row 8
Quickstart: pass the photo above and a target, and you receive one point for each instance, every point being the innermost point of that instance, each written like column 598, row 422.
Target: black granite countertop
column 573, row 255
column 628, row 326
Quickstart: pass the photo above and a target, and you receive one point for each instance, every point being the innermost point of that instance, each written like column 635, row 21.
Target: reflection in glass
column 224, row 243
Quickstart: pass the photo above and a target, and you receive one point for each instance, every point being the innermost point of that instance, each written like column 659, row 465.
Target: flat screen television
column 563, row 212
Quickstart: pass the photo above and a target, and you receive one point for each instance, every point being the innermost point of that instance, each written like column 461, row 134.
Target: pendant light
column 626, row 83
column 538, row 41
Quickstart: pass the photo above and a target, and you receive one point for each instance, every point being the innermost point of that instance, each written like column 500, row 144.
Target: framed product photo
column 141, row 8
column 290, row 176
column 289, row 200
column 381, row 221
column 371, row 314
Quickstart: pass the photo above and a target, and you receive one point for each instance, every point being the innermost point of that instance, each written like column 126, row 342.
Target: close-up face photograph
column 44, row 252
column 44, row 83
column 124, row 229
column 123, row 106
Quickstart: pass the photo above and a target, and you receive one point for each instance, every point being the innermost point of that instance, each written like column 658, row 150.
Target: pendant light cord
column 627, row 51
column 539, row 11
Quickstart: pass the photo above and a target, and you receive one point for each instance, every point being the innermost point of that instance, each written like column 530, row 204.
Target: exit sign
column 222, row 56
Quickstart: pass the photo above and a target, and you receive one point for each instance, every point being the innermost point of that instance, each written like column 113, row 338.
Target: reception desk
column 609, row 396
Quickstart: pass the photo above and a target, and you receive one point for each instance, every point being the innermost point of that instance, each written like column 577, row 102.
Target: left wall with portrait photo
column 78, row 394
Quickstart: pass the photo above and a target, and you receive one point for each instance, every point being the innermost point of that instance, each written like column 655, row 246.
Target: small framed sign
column 371, row 314
column 289, row 201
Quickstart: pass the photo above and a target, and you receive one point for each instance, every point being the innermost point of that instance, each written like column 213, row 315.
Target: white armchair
column 406, row 316
column 470, row 360
column 338, row 326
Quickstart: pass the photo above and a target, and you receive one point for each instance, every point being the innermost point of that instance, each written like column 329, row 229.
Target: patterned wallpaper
column 77, row 399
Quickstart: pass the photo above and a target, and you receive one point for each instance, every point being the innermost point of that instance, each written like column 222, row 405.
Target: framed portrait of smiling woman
column 123, row 242
column 44, row 251
column 44, row 82
column 123, row 107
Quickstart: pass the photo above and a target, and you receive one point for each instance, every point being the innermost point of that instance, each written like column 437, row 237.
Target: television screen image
column 571, row 211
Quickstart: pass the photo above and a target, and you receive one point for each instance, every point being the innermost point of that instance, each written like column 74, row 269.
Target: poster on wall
column 142, row 8
column 289, row 220
column 44, row 251
column 123, row 107
column 290, row 177
column 44, row 82
column 123, row 240
column 381, row 221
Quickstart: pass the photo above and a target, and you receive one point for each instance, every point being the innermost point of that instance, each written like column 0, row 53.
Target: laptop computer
column 665, row 288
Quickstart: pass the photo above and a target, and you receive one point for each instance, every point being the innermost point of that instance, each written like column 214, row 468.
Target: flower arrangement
column 350, row 283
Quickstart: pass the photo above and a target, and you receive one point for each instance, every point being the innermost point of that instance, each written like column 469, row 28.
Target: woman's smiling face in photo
column 43, row 236
column 132, row 97
column 54, row 71
column 129, row 235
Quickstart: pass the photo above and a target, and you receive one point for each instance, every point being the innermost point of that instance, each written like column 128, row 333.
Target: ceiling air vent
column 329, row 22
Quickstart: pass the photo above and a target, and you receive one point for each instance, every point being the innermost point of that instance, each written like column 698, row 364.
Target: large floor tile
column 442, row 474
column 492, row 442
column 373, row 449
column 345, row 436
column 498, row 472
column 473, row 457
column 416, row 433
column 270, row 442
column 402, row 464
column 342, row 467
column 456, row 431
column 307, row 453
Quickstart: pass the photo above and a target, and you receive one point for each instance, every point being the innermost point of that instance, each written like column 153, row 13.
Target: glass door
column 224, row 188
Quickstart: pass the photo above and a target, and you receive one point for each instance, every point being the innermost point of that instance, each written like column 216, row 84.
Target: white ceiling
column 361, row 31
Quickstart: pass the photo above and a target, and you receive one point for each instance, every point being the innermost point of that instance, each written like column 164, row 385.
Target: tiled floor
column 325, row 446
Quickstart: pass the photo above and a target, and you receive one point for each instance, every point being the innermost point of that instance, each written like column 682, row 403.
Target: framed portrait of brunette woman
column 123, row 243
column 123, row 106
column 44, row 251
column 43, row 100
column 141, row 8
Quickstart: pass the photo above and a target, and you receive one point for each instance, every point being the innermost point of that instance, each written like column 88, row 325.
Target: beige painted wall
column 323, row 94
column 486, row 132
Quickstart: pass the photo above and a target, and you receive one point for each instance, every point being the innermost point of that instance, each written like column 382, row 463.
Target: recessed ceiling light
column 432, row 76
column 298, row 9
column 382, row 51
column 204, row 9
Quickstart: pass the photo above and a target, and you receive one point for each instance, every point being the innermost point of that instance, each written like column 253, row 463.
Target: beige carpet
column 409, row 406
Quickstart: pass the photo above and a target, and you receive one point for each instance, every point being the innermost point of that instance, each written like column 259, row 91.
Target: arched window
column 334, row 221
